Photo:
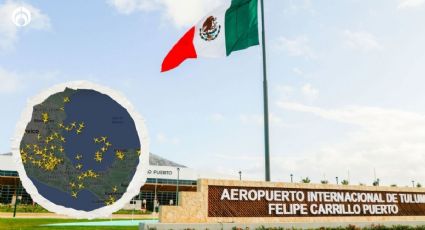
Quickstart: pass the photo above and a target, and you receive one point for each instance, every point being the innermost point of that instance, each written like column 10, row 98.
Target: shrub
column 305, row 180
column 345, row 182
column 324, row 181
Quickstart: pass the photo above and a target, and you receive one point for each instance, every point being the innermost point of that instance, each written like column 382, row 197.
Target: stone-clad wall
column 193, row 206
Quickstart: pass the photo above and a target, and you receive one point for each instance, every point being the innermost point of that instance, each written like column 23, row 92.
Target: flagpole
column 265, row 98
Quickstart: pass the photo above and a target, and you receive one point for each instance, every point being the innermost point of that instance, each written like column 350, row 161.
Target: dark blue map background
column 103, row 117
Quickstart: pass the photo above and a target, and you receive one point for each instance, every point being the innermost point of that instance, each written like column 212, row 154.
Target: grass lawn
column 24, row 224
column 38, row 209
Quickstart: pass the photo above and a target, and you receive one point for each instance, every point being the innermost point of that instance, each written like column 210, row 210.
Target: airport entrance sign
column 235, row 201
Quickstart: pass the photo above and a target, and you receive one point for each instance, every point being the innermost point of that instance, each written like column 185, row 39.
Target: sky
column 346, row 83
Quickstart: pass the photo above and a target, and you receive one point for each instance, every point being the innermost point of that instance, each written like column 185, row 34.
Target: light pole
column 155, row 197
column 292, row 178
column 336, row 178
column 413, row 183
column 17, row 197
column 240, row 175
column 177, row 188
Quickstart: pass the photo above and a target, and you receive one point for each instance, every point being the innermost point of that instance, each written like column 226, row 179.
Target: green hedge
column 23, row 208
column 38, row 209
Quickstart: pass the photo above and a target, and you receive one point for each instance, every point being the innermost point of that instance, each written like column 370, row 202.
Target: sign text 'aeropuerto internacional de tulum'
column 227, row 201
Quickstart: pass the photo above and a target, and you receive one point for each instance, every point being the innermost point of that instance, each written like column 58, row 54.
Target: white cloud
column 216, row 117
column 309, row 91
column 257, row 119
column 164, row 139
column 9, row 32
column 285, row 91
column 130, row 6
column 404, row 4
column 13, row 82
column 9, row 81
column 306, row 91
column 296, row 6
column 179, row 13
column 298, row 71
column 389, row 140
column 297, row 47
column 361, row 40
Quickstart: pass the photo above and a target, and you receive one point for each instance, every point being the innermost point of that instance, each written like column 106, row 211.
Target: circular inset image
column 81, row 150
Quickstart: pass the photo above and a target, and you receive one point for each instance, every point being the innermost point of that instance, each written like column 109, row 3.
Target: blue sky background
column 346, row 82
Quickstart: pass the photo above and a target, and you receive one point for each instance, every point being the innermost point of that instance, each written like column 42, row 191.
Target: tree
column 418, row 185
column 393, row 185
column 376, row 182
column 324, row 181
column 305, row 180
column 345, row 182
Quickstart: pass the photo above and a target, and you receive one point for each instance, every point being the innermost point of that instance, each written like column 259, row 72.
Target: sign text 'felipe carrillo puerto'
column 225, row 201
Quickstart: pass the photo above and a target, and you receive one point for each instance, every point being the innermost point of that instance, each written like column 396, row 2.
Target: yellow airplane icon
column 80, row 185
column 78, row 157
column 82, row 125
column 104, row 139
column 72, row 184
column 74, row 194
column 79, row 166
column 119, row 154
column 96, row 140
column 114, row 189
column 108, row 144
column 45, row 117
column 66, row 99
column 98, row 157
column 78, row 131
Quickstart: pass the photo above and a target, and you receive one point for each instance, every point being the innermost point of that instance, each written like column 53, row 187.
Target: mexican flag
column 232, row 27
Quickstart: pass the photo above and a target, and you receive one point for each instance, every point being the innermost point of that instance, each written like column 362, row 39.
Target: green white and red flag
column 232, row 27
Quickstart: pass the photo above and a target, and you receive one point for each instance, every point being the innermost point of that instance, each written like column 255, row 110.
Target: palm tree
column 305, row 180
column 324, row 181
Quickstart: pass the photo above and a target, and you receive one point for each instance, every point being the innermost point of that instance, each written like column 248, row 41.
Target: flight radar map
column 80, row 149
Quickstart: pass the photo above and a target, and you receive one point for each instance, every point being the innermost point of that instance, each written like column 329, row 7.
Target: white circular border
column 136, row 183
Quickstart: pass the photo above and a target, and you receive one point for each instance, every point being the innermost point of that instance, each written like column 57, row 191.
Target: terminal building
column 162, row 179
